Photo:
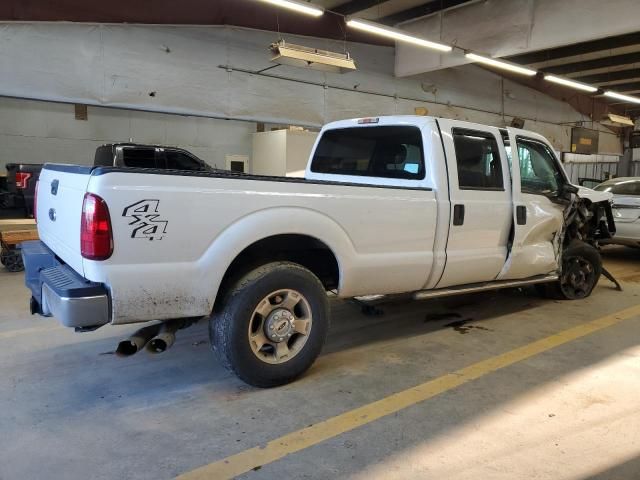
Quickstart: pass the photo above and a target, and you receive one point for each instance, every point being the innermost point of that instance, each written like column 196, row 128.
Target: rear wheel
column 271, row 325
column 581, row 269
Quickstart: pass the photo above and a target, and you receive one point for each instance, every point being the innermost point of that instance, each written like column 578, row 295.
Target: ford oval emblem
column 52, row 214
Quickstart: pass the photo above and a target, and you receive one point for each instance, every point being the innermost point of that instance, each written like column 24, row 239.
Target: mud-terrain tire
column 271, row 324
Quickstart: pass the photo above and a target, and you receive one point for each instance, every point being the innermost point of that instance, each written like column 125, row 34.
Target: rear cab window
column 390, row 151
column 139, row 157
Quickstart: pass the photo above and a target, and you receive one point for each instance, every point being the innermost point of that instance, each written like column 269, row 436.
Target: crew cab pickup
column 390, row 205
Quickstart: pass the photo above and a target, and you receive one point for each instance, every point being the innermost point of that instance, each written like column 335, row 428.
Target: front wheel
column 271, row 325
column 581, row 269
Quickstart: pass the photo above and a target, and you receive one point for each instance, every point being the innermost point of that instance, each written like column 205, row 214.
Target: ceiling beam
column 599, row 78
column 420, row 11
column 626, row 87
column 614, row 61
column 503, row 28
column 355, row 6
column 578, row 49
column 242, row 13
column 595, row 108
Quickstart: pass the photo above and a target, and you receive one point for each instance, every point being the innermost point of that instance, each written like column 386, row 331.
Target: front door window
column 539, row 171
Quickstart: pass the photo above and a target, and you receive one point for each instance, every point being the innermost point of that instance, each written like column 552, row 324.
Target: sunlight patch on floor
column 574, row 427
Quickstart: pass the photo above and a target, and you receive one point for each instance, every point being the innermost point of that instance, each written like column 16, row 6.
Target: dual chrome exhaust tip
column 155, row 339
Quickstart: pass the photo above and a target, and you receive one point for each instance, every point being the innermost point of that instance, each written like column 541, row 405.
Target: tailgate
column 61, row 192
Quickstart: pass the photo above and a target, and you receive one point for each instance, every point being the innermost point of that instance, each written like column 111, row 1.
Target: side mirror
column 567, row 190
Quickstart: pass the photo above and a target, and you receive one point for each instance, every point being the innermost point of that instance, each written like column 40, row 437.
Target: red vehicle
column 21, row 186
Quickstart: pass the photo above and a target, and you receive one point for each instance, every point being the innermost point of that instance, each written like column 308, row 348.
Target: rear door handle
column 521, row 215
column 458, row 214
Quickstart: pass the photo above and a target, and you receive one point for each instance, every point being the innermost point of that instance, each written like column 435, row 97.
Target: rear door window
column 478, row 160
column 385, row 151
column 139, row 157
column 180, row 161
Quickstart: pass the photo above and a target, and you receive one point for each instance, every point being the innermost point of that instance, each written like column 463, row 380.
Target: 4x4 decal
column 146, row 221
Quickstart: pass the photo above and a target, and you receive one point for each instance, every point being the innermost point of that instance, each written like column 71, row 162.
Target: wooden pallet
column 10, row 256
column 14, row 237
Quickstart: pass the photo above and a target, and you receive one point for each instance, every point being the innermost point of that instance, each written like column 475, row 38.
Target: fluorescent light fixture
column 617, row 120
column 624, row 98
column 396, row 34
column 570, row 83
column 500, row 64
column 300, row 56
column 300, row 7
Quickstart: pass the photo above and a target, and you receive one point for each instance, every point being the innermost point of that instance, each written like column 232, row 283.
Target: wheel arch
column 284, row 234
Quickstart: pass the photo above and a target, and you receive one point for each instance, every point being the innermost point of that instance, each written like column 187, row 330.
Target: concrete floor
column 69, row 409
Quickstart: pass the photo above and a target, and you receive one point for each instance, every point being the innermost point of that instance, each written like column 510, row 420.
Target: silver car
column 626, row 209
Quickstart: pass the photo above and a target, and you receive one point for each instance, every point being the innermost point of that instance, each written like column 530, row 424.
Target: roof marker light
column 368, row 121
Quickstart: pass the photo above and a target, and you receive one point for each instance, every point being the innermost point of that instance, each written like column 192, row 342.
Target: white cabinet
column 282, row 152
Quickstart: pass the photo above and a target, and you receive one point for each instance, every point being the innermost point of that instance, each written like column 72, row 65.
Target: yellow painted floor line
column 247, row 460
column 26, row 331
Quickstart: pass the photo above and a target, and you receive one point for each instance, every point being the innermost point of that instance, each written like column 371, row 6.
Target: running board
column 482, row 287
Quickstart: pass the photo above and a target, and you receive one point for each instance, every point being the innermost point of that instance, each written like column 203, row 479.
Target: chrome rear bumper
column 58, row 291
column 77, row 312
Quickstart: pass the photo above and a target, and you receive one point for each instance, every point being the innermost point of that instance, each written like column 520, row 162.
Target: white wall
column 121, row 65
column 269, row 153
column 34, row 131
column 299, row 147
column 282, row 152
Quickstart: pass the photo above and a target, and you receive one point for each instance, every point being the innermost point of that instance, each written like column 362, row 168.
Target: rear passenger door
column 480, row 198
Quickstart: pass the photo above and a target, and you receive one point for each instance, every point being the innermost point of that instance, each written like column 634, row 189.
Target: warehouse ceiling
column 612, row 62
column 609, row 63
column 242, row 13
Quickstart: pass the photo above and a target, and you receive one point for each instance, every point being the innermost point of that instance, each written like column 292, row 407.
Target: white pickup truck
column 388, row 205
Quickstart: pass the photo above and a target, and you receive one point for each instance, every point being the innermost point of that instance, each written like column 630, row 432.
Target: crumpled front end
column 589, row 217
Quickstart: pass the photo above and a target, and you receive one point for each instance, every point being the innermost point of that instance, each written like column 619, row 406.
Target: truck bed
column 176, row 232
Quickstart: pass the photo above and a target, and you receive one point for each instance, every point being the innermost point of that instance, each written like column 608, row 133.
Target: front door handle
column 458, row 214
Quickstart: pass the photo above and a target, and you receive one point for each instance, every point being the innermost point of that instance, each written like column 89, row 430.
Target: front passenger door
column 538, row 215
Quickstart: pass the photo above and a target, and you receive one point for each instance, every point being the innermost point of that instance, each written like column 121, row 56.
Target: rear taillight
column 22, row 179
column 96, row 239
column 35, row 202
